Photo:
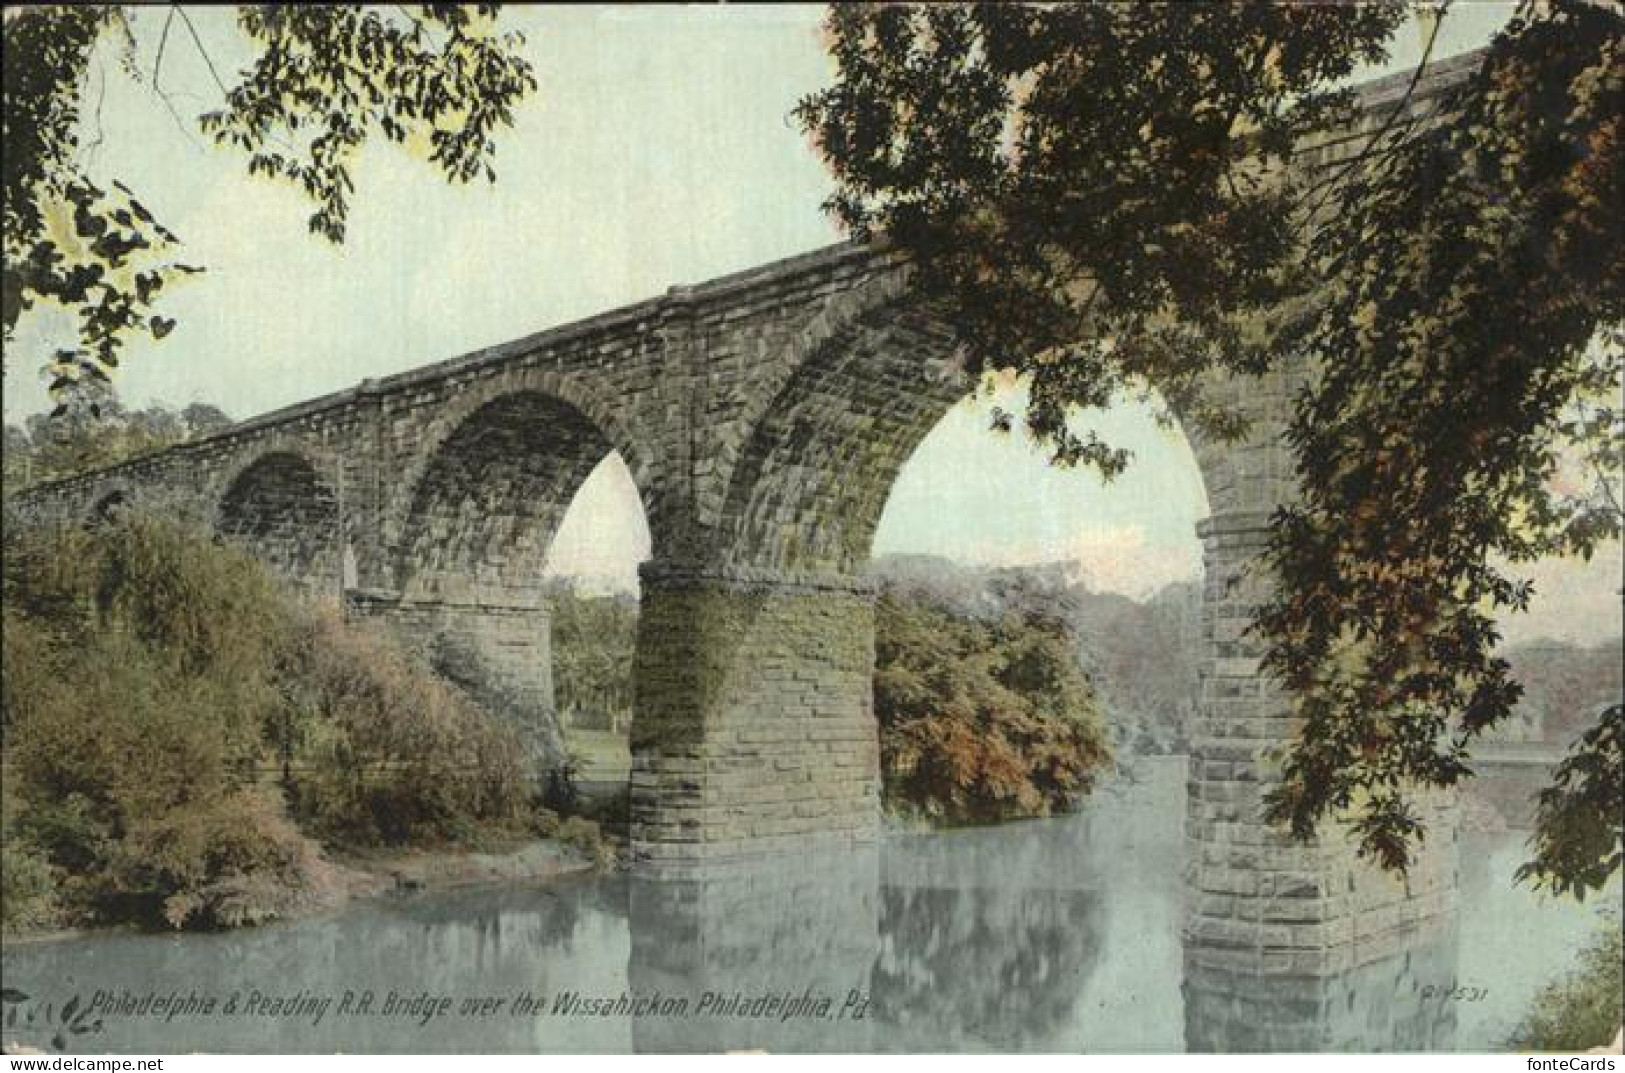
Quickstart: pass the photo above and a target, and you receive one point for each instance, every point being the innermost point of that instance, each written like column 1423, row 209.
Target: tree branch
column 1604, row 485
column 95, row 143
column 201, row 51
column 157, row 65
column 163, row 40
column 1330, row 186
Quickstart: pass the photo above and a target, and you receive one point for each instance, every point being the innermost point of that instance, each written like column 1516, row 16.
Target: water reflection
column 733, row 939
column 1050, row 936
column 1400, row 1002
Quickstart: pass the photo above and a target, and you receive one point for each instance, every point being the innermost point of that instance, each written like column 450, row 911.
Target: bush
column 585, row 837
column 157, row 684
column 388, row 753
column 27, row 886
column 27, row 879
column 1584, row 1009
column 145, row 666
column 981, row 721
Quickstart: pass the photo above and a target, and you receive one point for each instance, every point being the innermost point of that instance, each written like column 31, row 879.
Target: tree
column 1579, row 816
column 982, row 721
column 323, row 79
column 95, row 430
column 1109, row 196
column 593, row 643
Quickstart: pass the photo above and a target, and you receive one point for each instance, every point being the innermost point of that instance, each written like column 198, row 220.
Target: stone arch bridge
column 763, row 417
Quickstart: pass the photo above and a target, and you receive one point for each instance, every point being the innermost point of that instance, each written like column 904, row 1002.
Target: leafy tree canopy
column 594, row 639
column 436, row 78
column 1109, row 196
column 77, row 441
column 982, row 721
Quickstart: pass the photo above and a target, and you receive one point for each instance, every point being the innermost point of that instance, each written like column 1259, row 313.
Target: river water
column 1050, row 935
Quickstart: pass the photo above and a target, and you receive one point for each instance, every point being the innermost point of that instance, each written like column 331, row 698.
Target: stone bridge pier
column 754, row 724
column 763, row 418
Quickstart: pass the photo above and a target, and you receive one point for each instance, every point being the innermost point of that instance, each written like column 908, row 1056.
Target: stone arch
column 468, row 541
column 283, row 508
column 813, row 473
column 807, row 489
column 785, row 610
column 793, row 538
column 485, row 497
column 827, row 330
column 109, row 504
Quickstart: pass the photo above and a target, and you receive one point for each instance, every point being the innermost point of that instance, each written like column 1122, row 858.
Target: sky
column 657, row 151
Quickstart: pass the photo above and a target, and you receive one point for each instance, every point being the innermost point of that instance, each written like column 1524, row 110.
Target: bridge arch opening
column 846, row 429
column 978, row 522
column 109, row 507
column 484, row 515
column 287, row 514
column 878, row 460
column 490, row 533
column 592, row 582
column 780, row 623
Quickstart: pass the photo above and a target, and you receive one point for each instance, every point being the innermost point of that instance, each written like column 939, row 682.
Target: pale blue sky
column 658, row 151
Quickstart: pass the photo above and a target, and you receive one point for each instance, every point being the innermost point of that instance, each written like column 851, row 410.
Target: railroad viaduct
column 763, row 417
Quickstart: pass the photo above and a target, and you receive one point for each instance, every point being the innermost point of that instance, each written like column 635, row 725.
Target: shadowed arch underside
column 813, row 478
column 484, row 514
column 286, row 514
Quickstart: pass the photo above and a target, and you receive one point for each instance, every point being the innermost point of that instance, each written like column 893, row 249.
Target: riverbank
column 341, row 879
column 408, row 871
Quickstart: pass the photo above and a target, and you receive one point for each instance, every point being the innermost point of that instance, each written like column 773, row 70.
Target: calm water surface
column 1053, row 935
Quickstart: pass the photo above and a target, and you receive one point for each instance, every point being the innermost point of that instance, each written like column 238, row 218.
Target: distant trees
column 594, row 639
column 982, row 721
column 981, row 718
column 77, row 440
column 1140, row 657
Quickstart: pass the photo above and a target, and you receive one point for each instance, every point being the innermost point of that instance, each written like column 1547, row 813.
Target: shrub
column 27, row 886
column 141, row 787
column 584, row 836
column 1584, row 1009
column 157, row 681
column 27, row 879
column 390, row 753
column 981, row 721
column 145, row 667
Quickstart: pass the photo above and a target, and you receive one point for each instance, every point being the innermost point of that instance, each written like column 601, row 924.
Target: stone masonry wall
column 754, row 724
column 808, row 926
column 1393, row 1002
column 1255, row 898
